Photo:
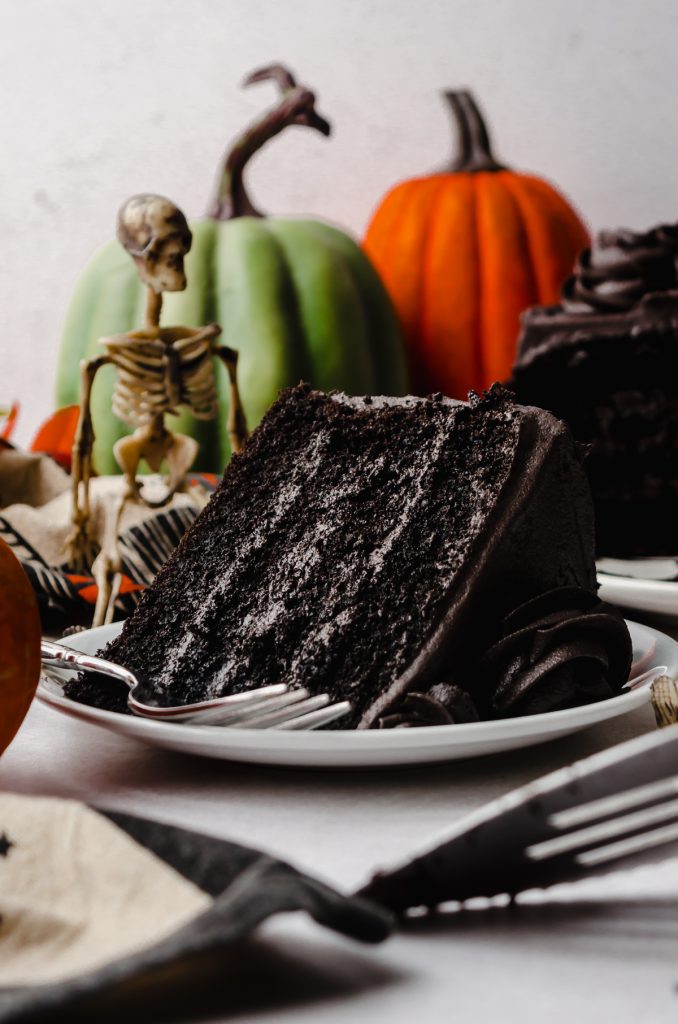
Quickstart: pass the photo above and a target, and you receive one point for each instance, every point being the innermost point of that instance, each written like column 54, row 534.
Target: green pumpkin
column 297, row 298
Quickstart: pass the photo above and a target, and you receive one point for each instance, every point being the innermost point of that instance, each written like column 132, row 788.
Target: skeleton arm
column 79, row 542
column 237, row 424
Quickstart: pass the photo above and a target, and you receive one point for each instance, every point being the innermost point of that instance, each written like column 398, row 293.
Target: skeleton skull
column 156, row 235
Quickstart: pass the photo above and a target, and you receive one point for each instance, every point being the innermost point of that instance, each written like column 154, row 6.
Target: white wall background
column 100, row 99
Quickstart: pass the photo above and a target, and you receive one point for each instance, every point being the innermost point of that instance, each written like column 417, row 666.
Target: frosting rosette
column 559, row 650
column 443, row 704
column 621, row 268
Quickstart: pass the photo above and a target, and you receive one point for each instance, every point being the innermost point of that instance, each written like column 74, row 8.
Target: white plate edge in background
column 658, row 596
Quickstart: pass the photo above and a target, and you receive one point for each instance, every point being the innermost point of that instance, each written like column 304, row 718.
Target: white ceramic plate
column 644, row 584
column 369, row 749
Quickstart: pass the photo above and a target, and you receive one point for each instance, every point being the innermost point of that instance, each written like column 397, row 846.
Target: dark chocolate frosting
column 558, row 650
column 442, row 704
column 621, row 268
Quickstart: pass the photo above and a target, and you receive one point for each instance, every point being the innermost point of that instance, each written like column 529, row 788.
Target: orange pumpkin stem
column 474, row 139
column 296, row 106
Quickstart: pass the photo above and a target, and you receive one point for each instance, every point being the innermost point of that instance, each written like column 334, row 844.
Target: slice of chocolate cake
column 606, row 361
column 400, row 553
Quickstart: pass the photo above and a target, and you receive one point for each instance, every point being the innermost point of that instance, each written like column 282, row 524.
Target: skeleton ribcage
column 156, row 377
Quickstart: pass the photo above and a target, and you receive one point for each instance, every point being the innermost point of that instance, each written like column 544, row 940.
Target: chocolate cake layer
column 606, row 361
column 372, row 548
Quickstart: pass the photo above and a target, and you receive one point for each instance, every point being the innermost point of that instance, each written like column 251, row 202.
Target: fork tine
column 627, row 847
column 271, row 719
column 614, row 829
column 294, row 710
column 247, row 714
column 314, row 719
column 211, row 709
column 587, row 813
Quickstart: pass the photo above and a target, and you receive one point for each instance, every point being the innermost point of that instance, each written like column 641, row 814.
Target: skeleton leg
column 180, row 456
column 149, row 442
column 237, row 424
column 128, row 452
column 80, row 543
column 107, row 568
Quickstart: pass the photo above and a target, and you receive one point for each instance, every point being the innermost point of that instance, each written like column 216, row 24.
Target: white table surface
column 606, row 949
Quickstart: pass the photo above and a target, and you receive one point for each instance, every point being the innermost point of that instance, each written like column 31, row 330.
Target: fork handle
column 75, row 661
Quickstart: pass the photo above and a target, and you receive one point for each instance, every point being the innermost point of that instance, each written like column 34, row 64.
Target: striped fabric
column 143, row 548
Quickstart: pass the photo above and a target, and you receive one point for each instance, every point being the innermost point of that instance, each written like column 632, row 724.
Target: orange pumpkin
column 464, row 252
column 19, row 645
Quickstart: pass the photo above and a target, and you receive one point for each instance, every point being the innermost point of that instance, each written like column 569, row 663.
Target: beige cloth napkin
column 76, row 892
column 30, row 479
column 35, row 499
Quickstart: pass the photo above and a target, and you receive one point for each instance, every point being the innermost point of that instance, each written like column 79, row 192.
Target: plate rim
column 542, row 724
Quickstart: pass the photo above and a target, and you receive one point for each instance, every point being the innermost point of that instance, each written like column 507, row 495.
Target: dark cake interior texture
column 606, row 361
column 378, row 550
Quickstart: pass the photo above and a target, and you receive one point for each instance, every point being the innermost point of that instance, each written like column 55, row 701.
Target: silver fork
column 267, row 707
column 619, row 805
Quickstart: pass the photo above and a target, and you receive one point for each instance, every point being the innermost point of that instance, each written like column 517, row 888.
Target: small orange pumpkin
column 464, row 252
column 19, row 645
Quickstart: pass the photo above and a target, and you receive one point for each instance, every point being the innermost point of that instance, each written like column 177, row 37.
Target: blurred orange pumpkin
column 19, row 645
column 56, row 435
column 464, row 252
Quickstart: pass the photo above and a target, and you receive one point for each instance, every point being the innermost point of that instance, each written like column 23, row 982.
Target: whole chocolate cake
column 606, row 361
column 429, row 560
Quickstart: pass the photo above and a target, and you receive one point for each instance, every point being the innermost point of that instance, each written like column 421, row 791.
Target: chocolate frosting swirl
column 558, row 650
column 621, row 268
column 443, row 704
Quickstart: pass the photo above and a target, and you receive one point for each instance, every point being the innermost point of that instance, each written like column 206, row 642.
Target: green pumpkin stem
column 475, row 148
column 296, row 106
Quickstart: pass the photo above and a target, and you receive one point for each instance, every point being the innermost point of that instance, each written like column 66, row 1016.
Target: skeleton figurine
column 158, row 370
